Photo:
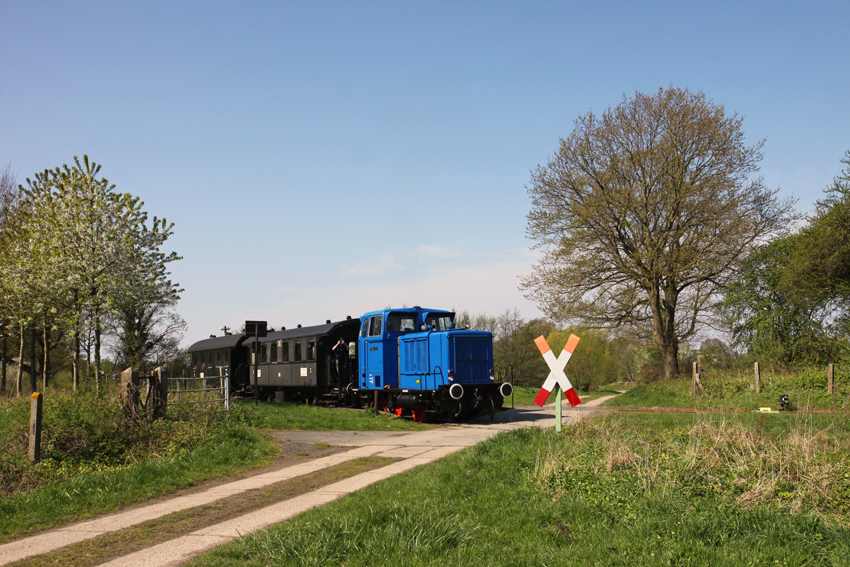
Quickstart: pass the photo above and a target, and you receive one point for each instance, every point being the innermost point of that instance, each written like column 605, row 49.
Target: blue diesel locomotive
column 409, row 361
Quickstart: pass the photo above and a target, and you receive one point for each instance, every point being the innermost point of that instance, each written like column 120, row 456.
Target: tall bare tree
column 643, row 214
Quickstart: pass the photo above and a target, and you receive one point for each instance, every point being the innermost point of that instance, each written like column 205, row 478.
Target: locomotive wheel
column 498, row 400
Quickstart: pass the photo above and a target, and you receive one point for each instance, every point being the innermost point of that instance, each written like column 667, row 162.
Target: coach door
column 372, row 363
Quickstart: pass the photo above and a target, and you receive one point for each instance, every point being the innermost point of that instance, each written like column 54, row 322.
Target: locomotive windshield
column 401, row 322
column 440, row 322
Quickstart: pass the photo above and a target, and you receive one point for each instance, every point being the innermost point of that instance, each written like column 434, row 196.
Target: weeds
column 805, row 468
column 86, row 433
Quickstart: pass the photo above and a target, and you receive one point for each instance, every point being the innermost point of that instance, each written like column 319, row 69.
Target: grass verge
column 524, row 396
column 232, row 449
column 295, row 416
column 621, row 490
column 124, row 542
column 807, row 391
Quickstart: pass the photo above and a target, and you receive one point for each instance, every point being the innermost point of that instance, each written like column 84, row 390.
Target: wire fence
column 190, row 391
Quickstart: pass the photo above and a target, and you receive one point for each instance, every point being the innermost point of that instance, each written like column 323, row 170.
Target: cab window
column 401, row 323
column 375, row 328
column 439, row 322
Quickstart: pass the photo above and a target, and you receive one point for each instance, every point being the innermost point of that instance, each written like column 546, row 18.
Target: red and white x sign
column 556, row 370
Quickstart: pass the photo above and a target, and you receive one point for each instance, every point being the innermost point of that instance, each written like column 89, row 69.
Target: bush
column 86, row 432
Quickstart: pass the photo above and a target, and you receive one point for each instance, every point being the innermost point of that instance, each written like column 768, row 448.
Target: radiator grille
column 415, row 356
column 473, row 356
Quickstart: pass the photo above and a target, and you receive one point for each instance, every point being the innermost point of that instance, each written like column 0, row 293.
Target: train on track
column 412, row 361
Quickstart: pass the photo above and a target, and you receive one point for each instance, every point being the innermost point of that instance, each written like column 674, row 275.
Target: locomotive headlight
column 492, row 376
column 451, row 374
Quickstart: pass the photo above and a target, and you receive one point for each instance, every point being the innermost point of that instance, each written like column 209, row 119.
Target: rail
column 192, row 393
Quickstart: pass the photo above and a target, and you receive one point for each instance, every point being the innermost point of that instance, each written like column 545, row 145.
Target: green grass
column 736, row 392
column 524, row 396
column 231, row 449
column 633, row 490
column 295, row 416
column 94, row 462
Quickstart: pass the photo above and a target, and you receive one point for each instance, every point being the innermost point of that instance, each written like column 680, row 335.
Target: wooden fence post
column 35, row 427
column 160, row 392
column 698, row 389
column 758, row 378
column 694, row 380
column 129, row 386
column 830, row 378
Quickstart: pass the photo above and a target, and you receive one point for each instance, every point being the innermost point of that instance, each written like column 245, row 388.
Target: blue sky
column 324, row 159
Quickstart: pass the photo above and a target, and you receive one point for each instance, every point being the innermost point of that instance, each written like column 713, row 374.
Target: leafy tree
column 791, row 299
column 820, row 269
column 147, row 332
column 84, row 251
column 515, row 355
column 772, row 320
column 643, row 214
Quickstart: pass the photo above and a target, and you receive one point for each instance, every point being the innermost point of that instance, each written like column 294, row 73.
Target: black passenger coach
column 301, row 363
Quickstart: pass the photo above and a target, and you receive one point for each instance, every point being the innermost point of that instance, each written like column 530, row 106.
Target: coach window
column 273, row 352
column 284, row 355
column 217, row 358
column 297, row 351
column 227, row 358
column 311, row 349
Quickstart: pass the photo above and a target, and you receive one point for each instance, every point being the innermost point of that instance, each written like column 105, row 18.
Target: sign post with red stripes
column 556, row 376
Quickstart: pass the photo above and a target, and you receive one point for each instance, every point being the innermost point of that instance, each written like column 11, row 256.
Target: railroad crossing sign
column 556, row 371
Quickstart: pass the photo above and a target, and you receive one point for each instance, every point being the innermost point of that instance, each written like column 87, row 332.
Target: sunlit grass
column 86, row 489
column 633, row 490
column 299, row 416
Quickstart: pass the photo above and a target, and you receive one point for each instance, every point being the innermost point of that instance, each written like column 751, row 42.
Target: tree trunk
column 75, row 360
column 3, row 361
column 663, row 322
column 33, row 365
column 20, row 377
column 45, row 365
column 97, row 331
column 671, row 361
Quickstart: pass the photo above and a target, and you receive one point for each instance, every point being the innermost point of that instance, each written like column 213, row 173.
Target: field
column 95, row 461
column 720, row 485
column 637, row 489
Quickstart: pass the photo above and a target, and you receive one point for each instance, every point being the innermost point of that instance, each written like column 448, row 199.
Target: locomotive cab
column 418, row 362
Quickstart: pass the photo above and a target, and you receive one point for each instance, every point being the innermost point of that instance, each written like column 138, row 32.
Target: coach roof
column 301, row 332
column 213, row 343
